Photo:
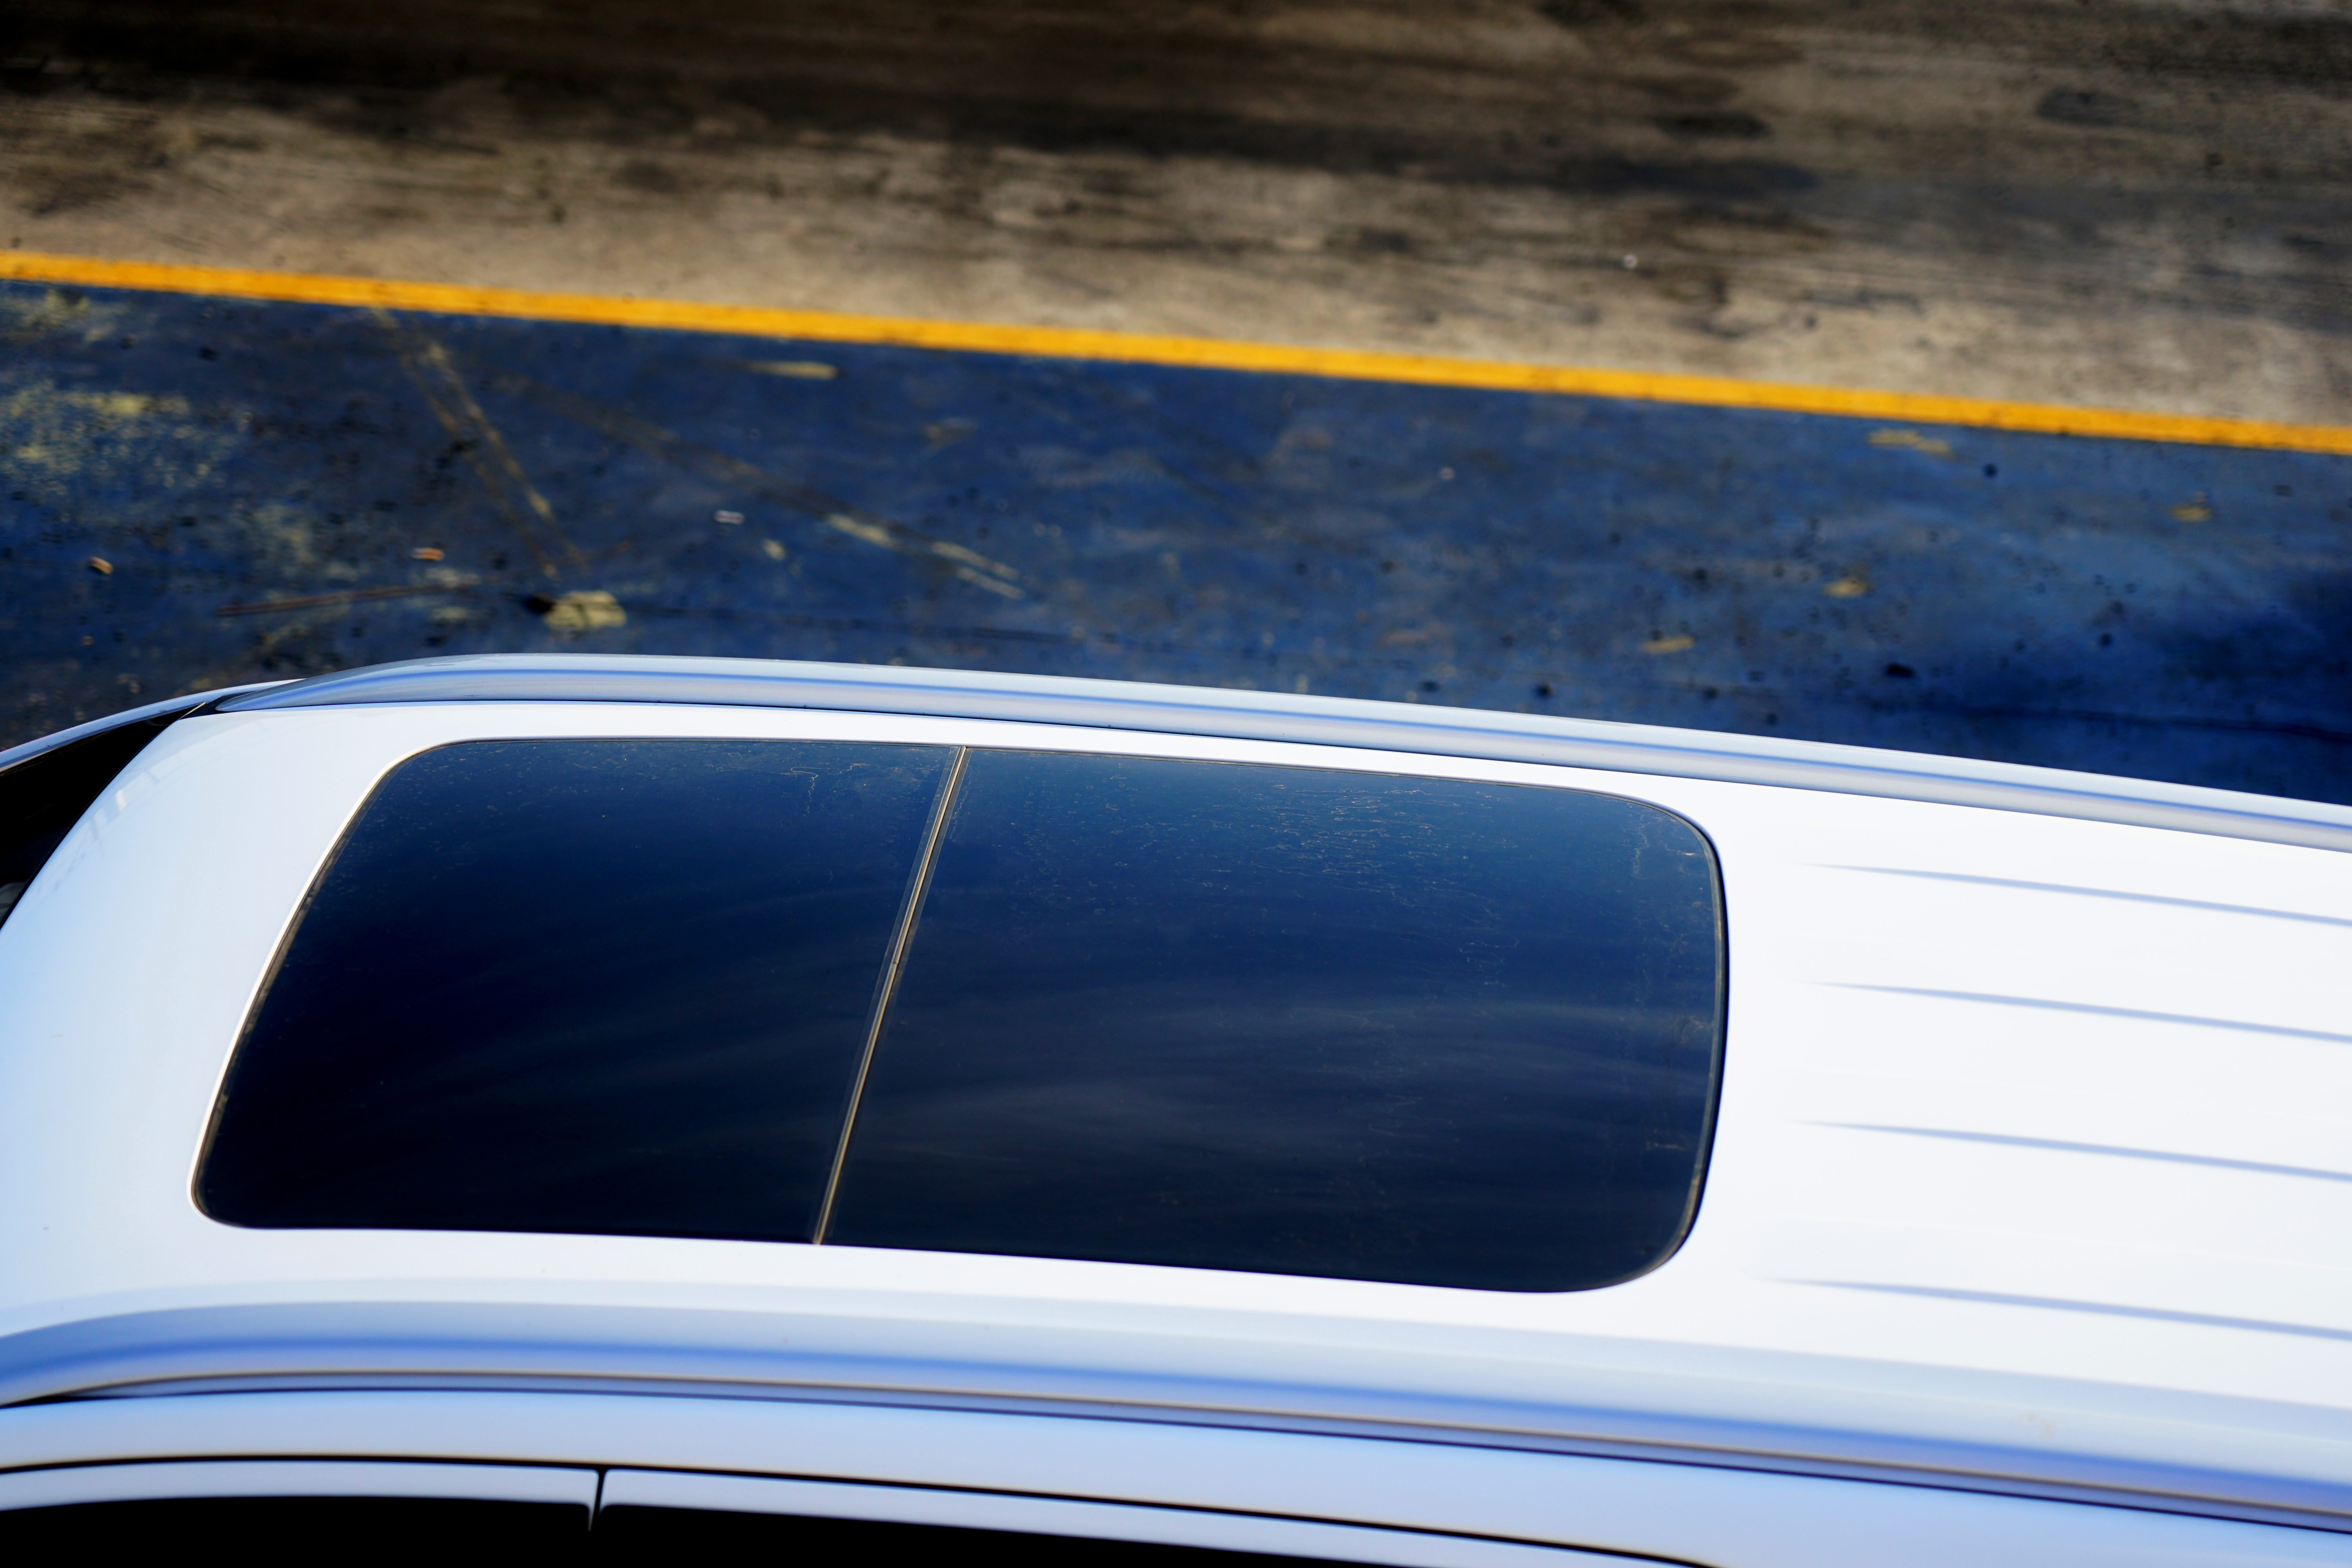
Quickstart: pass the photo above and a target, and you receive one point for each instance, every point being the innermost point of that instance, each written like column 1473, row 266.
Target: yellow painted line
column 1145, row 348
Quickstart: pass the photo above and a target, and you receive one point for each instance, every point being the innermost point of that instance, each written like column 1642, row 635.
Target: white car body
column 2017, row 1244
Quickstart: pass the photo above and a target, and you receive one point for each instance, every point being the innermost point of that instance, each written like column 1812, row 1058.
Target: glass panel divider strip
column 919, row 887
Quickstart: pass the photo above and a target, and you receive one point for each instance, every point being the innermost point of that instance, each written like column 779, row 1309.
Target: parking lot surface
column 2137, row 208
column 206, row 489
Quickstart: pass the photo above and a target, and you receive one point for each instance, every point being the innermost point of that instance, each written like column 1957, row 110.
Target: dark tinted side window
column 614, row 986
column 1297, row 1021
column 375, row 1530
column 42, row 798
column 670, row 1535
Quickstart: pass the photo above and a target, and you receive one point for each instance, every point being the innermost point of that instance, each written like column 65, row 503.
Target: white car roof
column 2028, row 1174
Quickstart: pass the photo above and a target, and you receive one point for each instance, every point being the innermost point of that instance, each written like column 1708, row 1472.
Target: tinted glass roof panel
column 1297, row 1021
column 616, row 986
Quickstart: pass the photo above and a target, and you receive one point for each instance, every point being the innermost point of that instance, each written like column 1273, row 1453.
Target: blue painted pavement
column 2173, row 612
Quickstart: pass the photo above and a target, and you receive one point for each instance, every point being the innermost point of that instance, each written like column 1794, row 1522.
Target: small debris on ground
column 797, row 369
column 346, row 596
column 1669, row 644
column 426, row 552
column 1851, row 587
column 590, row 610
column 726, row 517
column 2193, row 511
column 1933, row 446
column 103, row 567
column 772, row 550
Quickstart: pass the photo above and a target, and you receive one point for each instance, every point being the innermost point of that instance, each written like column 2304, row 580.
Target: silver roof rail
column 158, row 713
column 1319, row 721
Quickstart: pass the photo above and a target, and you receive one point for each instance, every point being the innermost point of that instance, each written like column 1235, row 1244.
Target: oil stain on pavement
column 203, row 490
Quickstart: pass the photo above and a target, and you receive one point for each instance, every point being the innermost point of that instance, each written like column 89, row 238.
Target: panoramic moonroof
column 1213, row 1015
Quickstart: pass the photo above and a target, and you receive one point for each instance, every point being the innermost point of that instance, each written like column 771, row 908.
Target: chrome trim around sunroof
column 1319, row 721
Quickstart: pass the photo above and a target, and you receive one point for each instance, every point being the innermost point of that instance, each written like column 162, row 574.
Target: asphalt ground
column 2142, row 204
column 206, row 489
column 2142, row 207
